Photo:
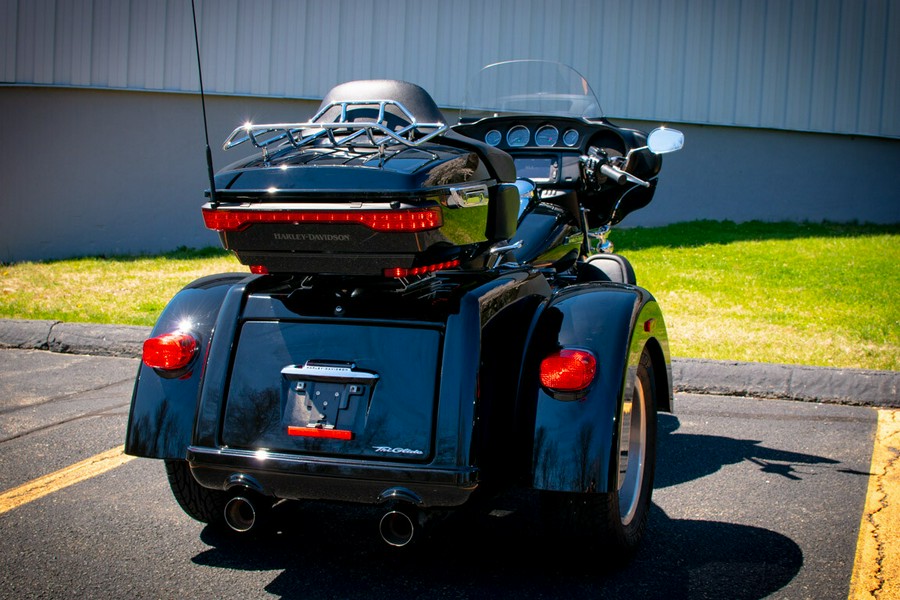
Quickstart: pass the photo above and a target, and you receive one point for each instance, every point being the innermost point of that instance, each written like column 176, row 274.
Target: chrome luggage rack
column 376, row 132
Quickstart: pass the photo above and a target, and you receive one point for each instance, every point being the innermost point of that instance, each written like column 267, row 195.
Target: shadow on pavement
column 328, row 551
column 684, row 457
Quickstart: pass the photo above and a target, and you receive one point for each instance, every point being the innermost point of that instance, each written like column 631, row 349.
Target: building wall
column 87, row 172
column 744, row 174
column 789, row 106
column 805, row 65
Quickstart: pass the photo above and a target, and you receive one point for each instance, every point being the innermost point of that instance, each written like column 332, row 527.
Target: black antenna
column 209, row 161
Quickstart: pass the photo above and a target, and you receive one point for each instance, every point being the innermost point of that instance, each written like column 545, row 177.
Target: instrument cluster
column 543, row 136
column 544, row 149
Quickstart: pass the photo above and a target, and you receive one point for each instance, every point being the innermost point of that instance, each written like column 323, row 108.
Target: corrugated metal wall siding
column 810, row 65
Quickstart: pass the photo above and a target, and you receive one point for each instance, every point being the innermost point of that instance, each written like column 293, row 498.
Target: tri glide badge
column 389, row 450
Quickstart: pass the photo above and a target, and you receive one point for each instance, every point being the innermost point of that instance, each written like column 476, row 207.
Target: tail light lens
column 410, row 220
column 170, row 351
column 320, row 433
column 400, row 272
column 568, row 370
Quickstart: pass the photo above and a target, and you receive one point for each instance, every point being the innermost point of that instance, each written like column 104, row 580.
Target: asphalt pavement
column 728, row 378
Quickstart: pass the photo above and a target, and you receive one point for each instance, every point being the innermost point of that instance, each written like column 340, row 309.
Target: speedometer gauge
column 493, row 137
column 518, row 136
column 546, row 136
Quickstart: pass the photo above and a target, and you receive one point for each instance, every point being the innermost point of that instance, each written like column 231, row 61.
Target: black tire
column 200, row 503
column 615, row 521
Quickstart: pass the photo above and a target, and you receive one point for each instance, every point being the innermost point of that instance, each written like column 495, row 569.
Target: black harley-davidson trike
column 433, row 315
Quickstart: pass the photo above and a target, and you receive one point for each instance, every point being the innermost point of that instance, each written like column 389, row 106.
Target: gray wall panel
column 8, row 24
column 807, row 65
column 95, row 192
column 755, row 66
column 891, row 85
column 125, row 173
column 770, row 175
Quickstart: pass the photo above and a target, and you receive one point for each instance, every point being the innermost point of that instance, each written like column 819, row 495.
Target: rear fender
column 163, row 410
column 575, row 441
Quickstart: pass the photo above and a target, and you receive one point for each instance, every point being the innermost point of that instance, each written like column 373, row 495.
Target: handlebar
column 596, row 161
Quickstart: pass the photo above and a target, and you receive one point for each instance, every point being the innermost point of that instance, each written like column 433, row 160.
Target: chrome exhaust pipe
column 401, row 525
column 240, row 514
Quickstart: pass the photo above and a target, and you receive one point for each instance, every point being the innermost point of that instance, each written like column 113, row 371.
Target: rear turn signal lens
column 568, row 370
column 170, row 351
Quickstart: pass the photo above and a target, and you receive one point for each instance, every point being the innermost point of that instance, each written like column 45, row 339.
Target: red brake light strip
column 321, row 433
column 410, row 220
column 423, row 270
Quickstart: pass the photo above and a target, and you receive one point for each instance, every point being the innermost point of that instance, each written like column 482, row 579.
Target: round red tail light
column 170, row 351
column 568, row 370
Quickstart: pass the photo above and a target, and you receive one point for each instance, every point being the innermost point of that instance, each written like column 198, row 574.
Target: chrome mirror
column 663, row 140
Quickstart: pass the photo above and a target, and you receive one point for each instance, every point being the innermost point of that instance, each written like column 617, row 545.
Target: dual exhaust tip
column 401, row 525
column 241, row 514
column 398, row 527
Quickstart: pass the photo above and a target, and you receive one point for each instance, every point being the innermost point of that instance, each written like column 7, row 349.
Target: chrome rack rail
column 375, row 132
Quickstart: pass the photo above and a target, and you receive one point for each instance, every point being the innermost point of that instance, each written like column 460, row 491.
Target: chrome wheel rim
column 633, row 447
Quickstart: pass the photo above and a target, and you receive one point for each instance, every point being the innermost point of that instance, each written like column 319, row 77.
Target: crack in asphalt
column 97, row 413
column 884, row 505
column 876, row 563
column 64, row 397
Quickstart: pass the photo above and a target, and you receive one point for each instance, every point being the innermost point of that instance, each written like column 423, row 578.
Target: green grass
column 127, row 290
column 814, row 294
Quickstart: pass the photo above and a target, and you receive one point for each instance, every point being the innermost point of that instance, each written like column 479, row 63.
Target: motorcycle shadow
column 323, row 551
column 684, row 457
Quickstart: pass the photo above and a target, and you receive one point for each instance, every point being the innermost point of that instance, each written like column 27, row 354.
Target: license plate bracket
column 325, row 394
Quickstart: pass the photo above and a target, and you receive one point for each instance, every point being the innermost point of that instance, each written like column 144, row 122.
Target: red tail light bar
column 406, row 220
column 399, row 272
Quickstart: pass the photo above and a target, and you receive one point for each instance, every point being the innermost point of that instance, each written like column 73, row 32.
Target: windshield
column 530, row 87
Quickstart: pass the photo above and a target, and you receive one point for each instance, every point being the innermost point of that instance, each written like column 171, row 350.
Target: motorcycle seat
column 607, row 267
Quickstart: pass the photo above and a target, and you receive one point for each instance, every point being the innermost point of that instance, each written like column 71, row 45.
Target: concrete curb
column 73, row 338
column 728, row 378
column 792, row 382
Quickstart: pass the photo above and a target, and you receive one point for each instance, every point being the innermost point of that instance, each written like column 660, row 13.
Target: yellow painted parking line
column 876, row 572
column 63, row 478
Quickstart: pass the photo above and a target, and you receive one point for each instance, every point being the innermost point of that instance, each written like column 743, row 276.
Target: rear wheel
column 202, row 504
column 617, row 519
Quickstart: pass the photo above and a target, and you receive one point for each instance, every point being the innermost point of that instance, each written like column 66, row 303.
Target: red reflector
column 259, row 270
column 568, row 370
column 410, row 220
column 423, row 270
column 315, row 432
column 170, row 351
